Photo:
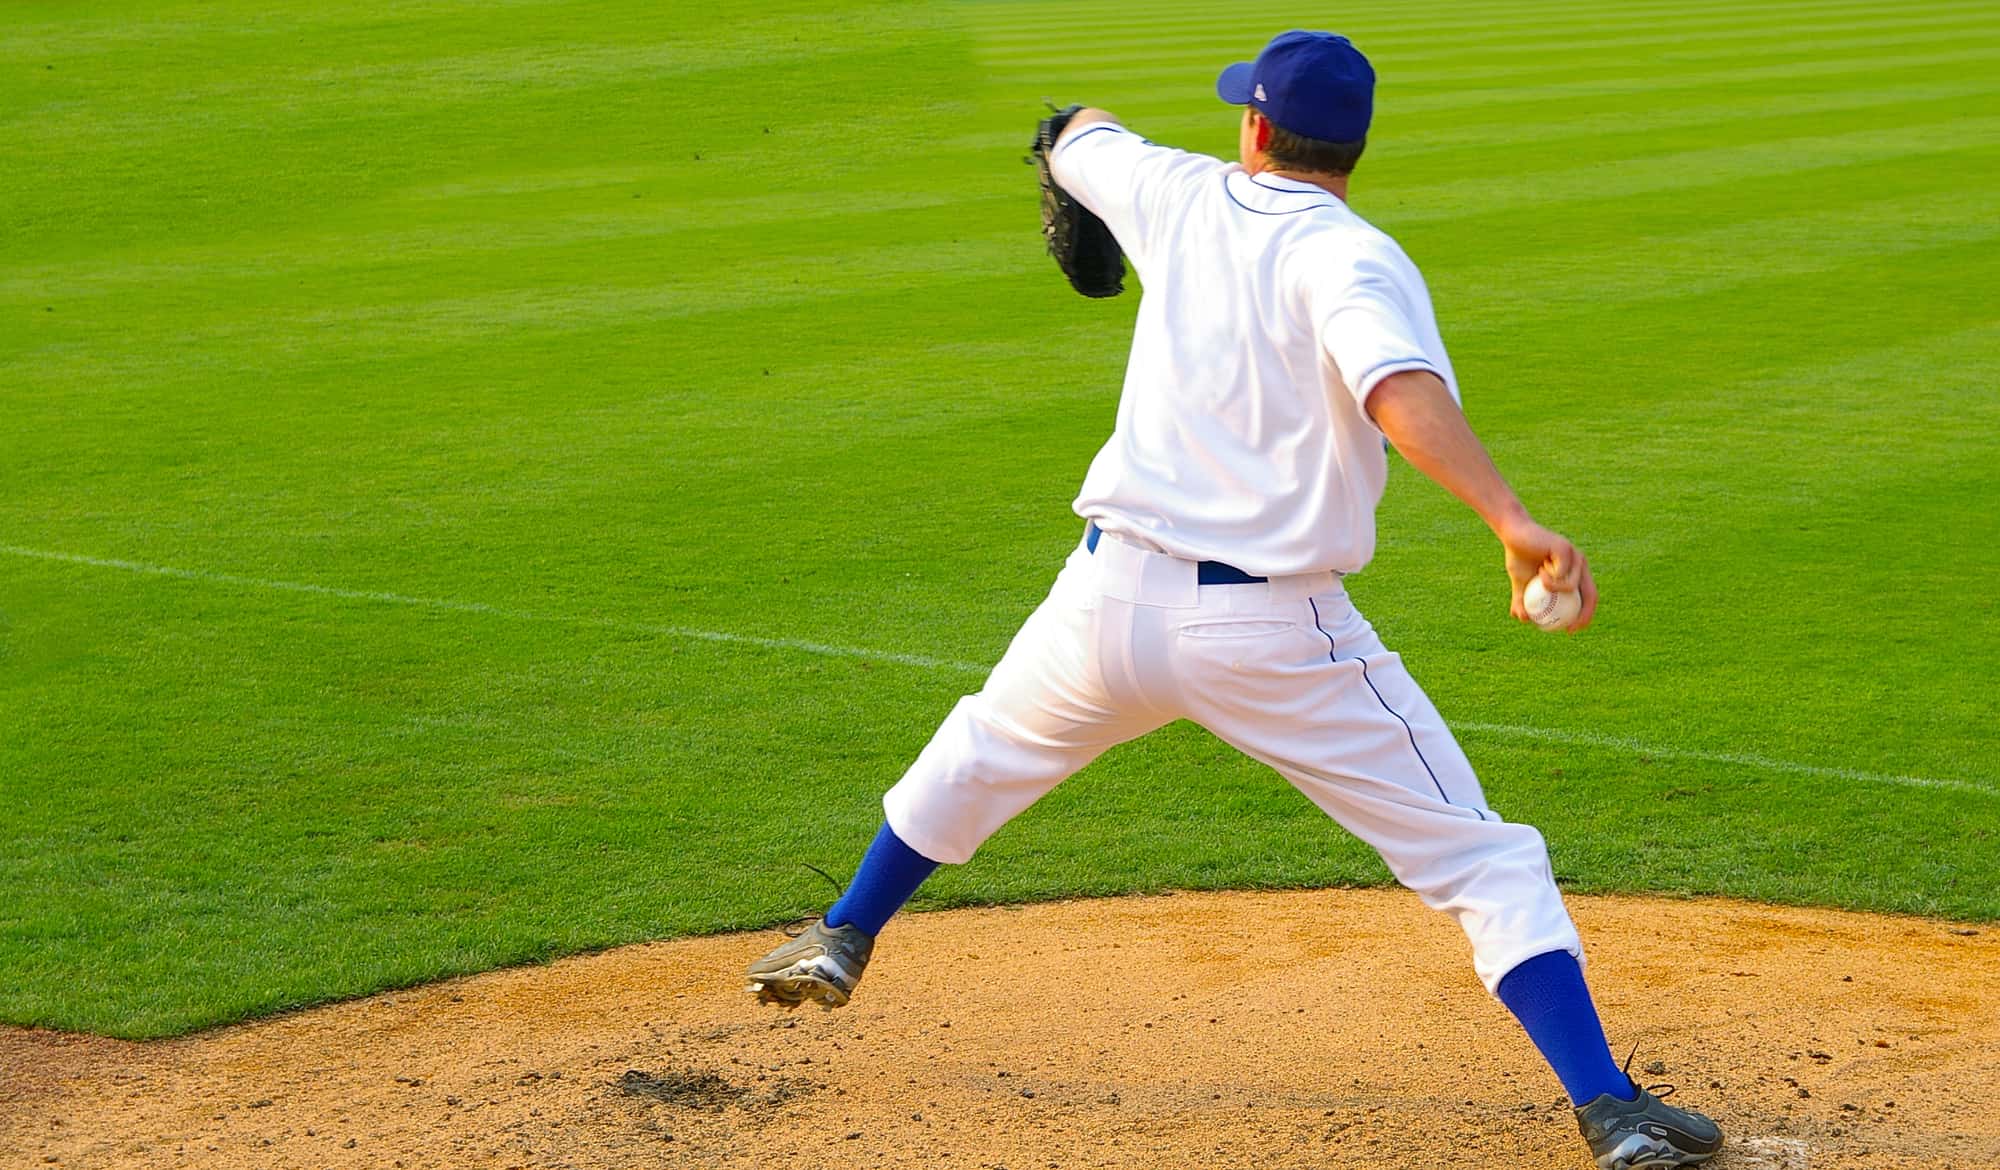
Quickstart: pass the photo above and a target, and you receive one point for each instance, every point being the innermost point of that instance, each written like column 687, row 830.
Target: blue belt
column 1205, row 572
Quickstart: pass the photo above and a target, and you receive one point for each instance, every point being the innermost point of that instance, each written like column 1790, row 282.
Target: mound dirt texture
column 1331, row 1028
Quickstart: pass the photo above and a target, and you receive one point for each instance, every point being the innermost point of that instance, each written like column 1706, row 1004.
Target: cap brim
column 1234, row 85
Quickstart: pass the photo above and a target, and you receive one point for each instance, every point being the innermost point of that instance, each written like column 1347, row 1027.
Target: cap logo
column 1259, row 93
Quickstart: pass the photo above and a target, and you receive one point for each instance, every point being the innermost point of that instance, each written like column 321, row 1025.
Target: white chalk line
column 1738, row 759
column 485, row 610
column 925, row 662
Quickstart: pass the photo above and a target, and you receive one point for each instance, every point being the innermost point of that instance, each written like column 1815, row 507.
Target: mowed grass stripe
column 756, row 277
column 1423, row 161
column 1445, row 199
column 1395, row 40
column 1609, row 32
column 1400, row 100
column 1628, row 335
column 1837, row 40
column 1631, row 340
column 403, row 39
column 1645, row 128
column 1795, row 399
column 1791, row 376
column 564, row 57
column 403, row 320
column 1389, row 43
column 385, row 238
column 1609, row 76
column 1719, row 41
column 1701, row 261
column 1002, row 26
column 373, row 90
column 110, row 29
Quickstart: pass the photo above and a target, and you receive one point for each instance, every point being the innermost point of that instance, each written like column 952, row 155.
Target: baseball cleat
column 1646, row 1134
column 820, row 966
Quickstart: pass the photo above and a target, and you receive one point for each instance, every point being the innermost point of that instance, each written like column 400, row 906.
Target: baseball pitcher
column 1280, row 339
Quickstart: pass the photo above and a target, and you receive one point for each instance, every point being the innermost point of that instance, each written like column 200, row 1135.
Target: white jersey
column 1270, row 312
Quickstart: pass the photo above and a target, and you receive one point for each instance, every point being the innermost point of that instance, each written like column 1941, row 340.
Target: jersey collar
column 1268, row 194
column 1271, row 182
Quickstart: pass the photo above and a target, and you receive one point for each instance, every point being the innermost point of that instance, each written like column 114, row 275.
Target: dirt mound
column 1275, row 1030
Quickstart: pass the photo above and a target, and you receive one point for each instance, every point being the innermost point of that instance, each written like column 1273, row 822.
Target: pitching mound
column 1268, row 1030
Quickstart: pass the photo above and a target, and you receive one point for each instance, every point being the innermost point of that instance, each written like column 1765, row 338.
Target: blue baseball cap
column 1314, row 84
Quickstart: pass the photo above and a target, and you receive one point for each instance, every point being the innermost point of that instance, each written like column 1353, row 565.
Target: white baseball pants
column 1287, row 672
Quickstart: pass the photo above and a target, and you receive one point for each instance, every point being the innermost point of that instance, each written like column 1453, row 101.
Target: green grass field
column 485, row 481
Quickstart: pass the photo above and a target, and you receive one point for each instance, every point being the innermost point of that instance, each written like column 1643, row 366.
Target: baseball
column 1551, row 611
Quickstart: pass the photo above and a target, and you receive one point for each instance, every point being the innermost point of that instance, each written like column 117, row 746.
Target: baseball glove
column 1084, row 248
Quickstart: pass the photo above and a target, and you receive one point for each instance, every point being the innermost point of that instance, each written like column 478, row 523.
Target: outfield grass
column 509, row 394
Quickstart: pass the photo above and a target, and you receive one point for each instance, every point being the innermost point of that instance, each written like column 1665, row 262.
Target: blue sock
column 889, row 874
column 1547, row 994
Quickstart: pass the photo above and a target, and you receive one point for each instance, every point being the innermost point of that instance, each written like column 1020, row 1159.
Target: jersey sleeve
column 1136, row 187
column 1372, row 315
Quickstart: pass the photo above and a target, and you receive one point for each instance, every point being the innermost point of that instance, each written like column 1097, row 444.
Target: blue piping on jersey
column 1259, row 210
column 1407, row 730
column 1411, row 362
column 1080, row 134
column 1316, row 189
